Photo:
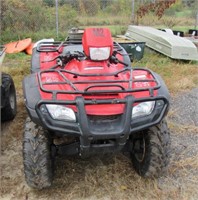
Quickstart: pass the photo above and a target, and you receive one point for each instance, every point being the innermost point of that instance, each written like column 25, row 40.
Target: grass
column 110, row 177
column 184, row 13
column 178, row 75
column 18, row 66
column 167, row 22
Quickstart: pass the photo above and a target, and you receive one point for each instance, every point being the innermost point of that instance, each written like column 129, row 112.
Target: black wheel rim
column 12, row 99
column 139, row 146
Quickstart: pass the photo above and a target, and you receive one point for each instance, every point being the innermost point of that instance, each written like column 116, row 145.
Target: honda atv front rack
column 97, row 83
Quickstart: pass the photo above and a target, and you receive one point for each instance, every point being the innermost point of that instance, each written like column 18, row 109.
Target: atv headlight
column 101, row 53
column 143, row 109
column 61, row 112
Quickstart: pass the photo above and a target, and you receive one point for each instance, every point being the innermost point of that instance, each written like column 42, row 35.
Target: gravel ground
column 183, row 122
column 185, row 117
column 186, row 108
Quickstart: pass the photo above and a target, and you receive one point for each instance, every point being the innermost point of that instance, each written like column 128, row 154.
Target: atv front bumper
column 116, row 130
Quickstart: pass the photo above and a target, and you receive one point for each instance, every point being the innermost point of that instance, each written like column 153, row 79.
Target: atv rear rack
column 55, row 46
column 97, row 83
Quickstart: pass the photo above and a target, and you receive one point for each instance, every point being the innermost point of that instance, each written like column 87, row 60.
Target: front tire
column 37, row 157
column 151, row 150
column 9, row 110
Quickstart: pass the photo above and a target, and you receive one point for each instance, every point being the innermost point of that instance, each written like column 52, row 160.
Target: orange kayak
column 28, row 50
column 18, row 46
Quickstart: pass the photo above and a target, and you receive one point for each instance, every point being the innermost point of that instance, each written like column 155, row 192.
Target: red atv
column 83, row 97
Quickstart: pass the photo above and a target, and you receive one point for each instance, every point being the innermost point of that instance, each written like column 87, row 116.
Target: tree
column 157, row 7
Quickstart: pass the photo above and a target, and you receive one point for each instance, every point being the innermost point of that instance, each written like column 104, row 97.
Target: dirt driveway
column 109, row 177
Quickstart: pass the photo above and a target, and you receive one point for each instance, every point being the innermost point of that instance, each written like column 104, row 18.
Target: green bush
column 25, row 18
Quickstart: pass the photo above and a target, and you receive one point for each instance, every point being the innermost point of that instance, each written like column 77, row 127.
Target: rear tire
column 9, row 110
column 151, row 150
column 37, row 156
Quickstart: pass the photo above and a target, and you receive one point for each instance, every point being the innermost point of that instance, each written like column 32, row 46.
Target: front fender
column 31, row 96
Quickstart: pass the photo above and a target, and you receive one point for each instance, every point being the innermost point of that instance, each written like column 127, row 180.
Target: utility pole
column 133, row 11
column 196, row 21
column 56, row 18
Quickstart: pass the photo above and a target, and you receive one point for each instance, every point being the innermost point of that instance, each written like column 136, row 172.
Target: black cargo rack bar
column 55, row 46
column 48, row 46
column 97, row 83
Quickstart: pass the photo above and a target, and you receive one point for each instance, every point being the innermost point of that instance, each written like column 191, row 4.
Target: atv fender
column 163, row 90
column 31, row 96
column 35, row 62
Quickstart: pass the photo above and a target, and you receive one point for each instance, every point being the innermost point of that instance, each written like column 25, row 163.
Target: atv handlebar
column 65, row 57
